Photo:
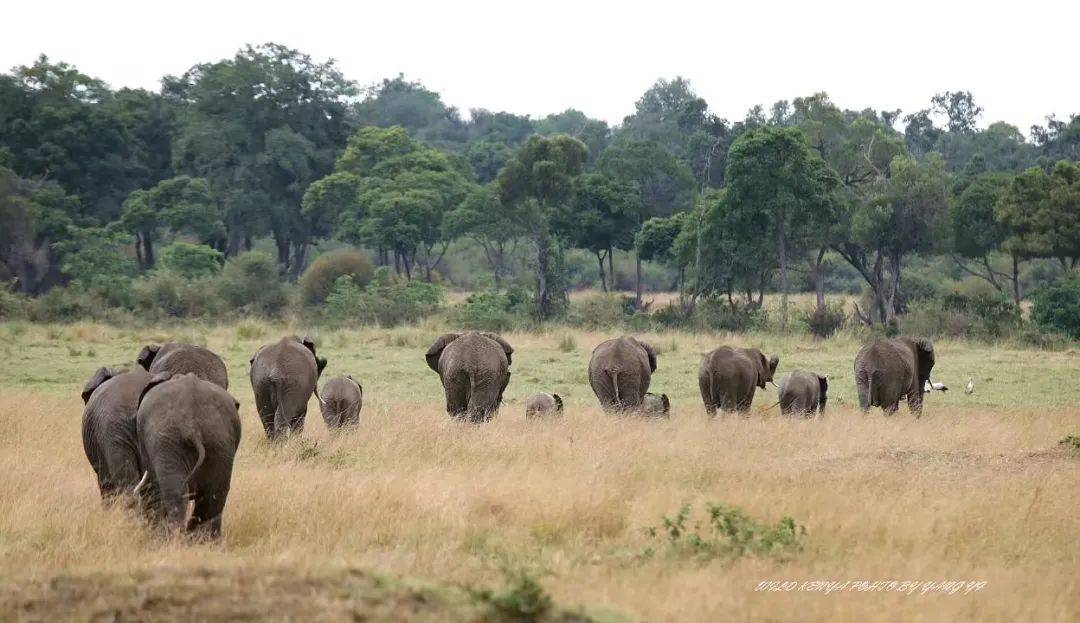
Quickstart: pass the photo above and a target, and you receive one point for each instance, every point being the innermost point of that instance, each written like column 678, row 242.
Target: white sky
column 1018, row 58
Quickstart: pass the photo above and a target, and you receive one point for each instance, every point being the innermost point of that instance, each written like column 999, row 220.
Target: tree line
column 272, row 144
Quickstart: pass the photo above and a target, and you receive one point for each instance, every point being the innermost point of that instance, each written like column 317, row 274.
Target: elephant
column 108, row 429
column 889, row 370
column 655, row 405
column 284, row 375
column 179, row 358
column 728, row 378
column 620, row 371
column 541, row 406
column 803, row 393
column 474, row 368
column 188, row 432
column 340, row 400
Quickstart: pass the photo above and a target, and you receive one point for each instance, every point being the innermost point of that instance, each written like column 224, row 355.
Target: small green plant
column 727, row 532
column 522, row 599
column 1071, row 441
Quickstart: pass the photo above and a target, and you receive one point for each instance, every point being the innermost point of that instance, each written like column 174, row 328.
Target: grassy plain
column 978, row 489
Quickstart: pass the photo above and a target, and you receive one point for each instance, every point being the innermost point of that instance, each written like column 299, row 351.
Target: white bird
column 970, row 387
column 941, row 387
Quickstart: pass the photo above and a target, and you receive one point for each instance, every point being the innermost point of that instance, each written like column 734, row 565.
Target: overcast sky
column 1018, row 58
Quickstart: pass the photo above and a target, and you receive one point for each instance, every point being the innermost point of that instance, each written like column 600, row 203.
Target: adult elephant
column 803, row 393
column 108, row 429
column 620, row 371
column 188, row 431
column 729, row 377
column 474, row 368
column 889, row 370
column 180, row 358
column 284, row 377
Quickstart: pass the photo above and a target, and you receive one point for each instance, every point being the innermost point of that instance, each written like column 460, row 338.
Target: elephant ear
column 507, row 348
column 147, row 354
column 924, row 352
column 558, row 402
column 823, row 383
column 667, row 403
column 651, row 352
column 157, row 379
column 763, row 366
column 102, row 375
column 774, row 361
column 432, row 355
column 320, row 364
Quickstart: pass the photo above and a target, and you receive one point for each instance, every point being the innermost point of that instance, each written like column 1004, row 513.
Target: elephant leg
column 457, row 388
column 604, row 389
column 862, row 386
column 484, row 399
column 915, row 401
column 172, row 491
column 705, row 385
column 891, row 407
column 211, row 493
column 296, row 424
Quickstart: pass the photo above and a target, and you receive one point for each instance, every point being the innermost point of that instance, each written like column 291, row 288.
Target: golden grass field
column 406, row 517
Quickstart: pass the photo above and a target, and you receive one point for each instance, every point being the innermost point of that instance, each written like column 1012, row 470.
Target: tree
column 489, row 222
column 772, row 171
column 1042, row 213
column 889, row 219
column 260, row 127
column 593, row 132
column 663, row 184
column 537, row 183
column 183, row 204
column 414, row 107
column 602, row 218
column 958, row 108
column 976, row 232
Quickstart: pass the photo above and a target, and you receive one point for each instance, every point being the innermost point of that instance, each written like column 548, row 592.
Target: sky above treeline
column 537, row 58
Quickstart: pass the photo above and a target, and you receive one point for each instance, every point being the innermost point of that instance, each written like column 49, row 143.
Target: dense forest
column 268, row 160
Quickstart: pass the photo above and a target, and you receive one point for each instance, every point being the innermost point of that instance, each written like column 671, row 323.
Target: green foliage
column 191, row 261
column 167, row 294
column 522, row 599
column 318, row 280
column 12, row 306
column 1057, row 308
column 491, row 311
column 94, row 260
column 715, row 314
column 385, row 302
column 1040, row 209
column 981, row 313
column 823, row 321
column 600, row 311
column 1071, row 441
column 250, row 283
column 728, row 534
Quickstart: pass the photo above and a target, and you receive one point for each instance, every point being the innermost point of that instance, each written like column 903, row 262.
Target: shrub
column 166, row 294
column 523, row 598
column 825, row 321
column 728, row 533
column 74, row 303
column 718, row 315
column 250, row 283
column 385, row 302
column 12, row 306
column 491, row 311
column 191, row 261
column 318, row 280
column 992, row 313
column 1057, row 308
column 600, row 311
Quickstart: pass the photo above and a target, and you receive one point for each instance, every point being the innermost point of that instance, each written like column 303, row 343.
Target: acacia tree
column 537, row 184
column 771, row 171
column 662, row 183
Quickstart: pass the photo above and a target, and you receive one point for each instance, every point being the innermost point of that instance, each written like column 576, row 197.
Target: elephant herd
column 164, row 435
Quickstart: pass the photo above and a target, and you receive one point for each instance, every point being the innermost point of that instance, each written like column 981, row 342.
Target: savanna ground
column 412, row 515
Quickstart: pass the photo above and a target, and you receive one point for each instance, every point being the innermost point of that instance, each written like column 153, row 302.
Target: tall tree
column 977, row 233
column 1042, row 212
column 602, row 218
column 663, row 184
column 182, row 204
column 771, row 170
column 538, row 182
column 485, row 219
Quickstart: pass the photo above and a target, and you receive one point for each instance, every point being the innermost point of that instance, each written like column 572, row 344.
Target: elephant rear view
column 620, row 371
column 284, row 377
column 803, row 393
column 887, row 371
column 178, row 358
column 729, row 377
column 188, row 430
column 108, row 429
column 474, row 368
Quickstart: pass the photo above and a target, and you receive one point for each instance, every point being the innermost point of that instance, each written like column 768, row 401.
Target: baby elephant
column 655, row 405
column 341, row 400
column 803, row 393
column 541, row 406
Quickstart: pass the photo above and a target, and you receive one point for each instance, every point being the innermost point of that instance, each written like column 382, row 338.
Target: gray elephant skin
column 887, row 371
column 474, row 368
column 729, row 377
column 109, row 431
column 340, row 400
column 655, row 405
column 543, row 406
column 803, row 394
column 188, row 431
column 179, row 358
column 620, row 371
column 284, row 375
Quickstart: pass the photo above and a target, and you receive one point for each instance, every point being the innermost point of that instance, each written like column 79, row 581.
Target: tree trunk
column 600, row 261
column 248, row 244
column 543, row 295
column 299, row 258
column 637, row 295
column 781, row 244
column 138, row 251
column 611, row 266
column 282, row 255
column 819, row 280
column 1016, row 280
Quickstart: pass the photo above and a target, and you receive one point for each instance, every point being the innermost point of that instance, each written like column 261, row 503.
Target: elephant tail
column 200, row 456
column 615, row 388
column 281, row 418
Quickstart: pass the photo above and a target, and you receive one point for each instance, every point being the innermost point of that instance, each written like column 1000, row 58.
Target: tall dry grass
column 981, row 493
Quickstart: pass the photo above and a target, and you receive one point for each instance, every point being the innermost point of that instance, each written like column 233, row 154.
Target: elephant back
column 178, row 358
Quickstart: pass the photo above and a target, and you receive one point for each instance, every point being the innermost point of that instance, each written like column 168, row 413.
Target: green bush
column 716, row 314
column 318, row 280
column 166, row 294
column 825, row 321
column 12, row 306
column 600, row 311
column 191, row 261
column 971, row 313
column 491, row 311
column 523, row 598
column 385, row 302
column 1057, row 308
column 728, row 533
column 72, row 304
column 250, row 283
